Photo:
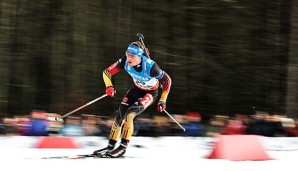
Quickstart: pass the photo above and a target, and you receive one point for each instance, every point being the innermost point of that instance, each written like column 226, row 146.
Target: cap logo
column 134, row 50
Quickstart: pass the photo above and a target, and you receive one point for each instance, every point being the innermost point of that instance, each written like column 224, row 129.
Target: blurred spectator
column 293, row 131
column 24, row 125
column 193, row 125
column 89, row 125
column 9, row 125
column 160, row 126
column 2, row 132
column 173, row 128
column 104, row 124
column 39, row 124
column 244, row 118
column 215, row 125
column 44, row 124
column 233, row 127
column 287, row 122
column 72, row 127
column 54, row 126
column 275, row 126
column 265, row 125
column 143, row 127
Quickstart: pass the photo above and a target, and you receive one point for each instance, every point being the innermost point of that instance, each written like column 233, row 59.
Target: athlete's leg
column 115, row 133
column 132, row 112
column 129, row 99
column 145, row 100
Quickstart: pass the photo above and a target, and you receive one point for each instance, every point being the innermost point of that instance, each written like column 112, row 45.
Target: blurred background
column 225, row 57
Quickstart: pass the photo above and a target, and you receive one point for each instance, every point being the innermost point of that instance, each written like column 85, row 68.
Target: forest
column 224, row 56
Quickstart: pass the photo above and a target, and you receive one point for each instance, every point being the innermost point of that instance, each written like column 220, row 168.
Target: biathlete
column 148, row 77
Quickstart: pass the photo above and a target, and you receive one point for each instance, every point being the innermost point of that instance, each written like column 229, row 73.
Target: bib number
column 146, row 100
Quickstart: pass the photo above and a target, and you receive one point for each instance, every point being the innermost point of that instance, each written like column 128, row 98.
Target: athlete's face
column 133, row 60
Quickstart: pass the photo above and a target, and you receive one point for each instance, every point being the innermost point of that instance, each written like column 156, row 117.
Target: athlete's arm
column 164, row 79
column 112, row 70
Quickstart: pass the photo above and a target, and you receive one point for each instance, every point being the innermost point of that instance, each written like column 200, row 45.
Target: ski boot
column 117, row 153
column 103, row 151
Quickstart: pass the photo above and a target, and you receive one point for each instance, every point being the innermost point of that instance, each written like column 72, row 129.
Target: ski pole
column 81, row 107
column 141, row 37
column 174, row 120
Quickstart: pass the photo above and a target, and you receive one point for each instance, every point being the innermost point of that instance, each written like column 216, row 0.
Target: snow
column 145, row 153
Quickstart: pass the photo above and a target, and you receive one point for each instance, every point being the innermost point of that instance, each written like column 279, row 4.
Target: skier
column 147, row 77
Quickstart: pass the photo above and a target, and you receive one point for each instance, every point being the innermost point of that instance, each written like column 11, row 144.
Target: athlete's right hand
column 110, row 91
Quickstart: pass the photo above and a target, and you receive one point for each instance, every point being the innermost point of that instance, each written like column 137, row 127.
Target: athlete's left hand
column 161, row 106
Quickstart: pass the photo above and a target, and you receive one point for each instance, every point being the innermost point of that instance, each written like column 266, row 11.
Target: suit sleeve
column 166, row 83
column 164, row 79
column 112, row 70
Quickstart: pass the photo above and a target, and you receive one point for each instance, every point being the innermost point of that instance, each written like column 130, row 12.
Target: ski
column 82, row 156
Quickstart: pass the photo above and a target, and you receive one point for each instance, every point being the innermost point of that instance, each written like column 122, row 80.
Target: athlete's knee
column 135, row 109
column 130, row 116
column 121, row 113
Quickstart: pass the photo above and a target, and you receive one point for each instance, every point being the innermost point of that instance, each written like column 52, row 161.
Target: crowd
column 40, row 123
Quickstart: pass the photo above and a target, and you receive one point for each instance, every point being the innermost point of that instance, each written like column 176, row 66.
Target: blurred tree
column 223, row 56
column 292, row 76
